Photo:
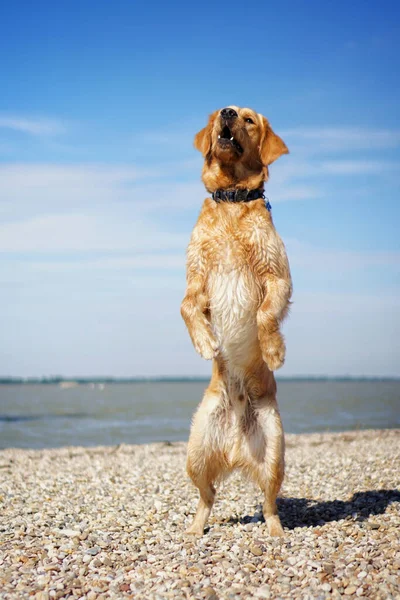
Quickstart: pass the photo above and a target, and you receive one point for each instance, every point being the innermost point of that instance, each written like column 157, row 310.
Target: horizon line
column 48, row 379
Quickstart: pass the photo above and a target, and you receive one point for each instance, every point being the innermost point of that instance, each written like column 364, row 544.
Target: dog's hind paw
column 194, row 530
column 274, row 526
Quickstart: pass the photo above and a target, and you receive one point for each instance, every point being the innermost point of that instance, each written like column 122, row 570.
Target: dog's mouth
column 226, row 139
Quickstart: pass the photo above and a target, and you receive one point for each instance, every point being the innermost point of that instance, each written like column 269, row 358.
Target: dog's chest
column 234, row 290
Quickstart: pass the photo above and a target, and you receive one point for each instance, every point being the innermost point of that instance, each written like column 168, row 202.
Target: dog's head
column 240, row 139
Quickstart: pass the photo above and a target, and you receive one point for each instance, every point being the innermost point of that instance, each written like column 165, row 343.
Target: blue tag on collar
column 268, row 205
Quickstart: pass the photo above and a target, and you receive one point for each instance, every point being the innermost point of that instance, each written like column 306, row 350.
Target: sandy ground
column 97, row 523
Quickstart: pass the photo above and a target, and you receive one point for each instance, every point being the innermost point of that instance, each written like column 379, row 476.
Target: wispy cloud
column 42, row 175
column 307, row 256
column 357, row 167
column 299, row 169
column 286, row 190
column 117, row 191
column 344, row 138
column 86, row 232
column 38, row 126
column 160, row 261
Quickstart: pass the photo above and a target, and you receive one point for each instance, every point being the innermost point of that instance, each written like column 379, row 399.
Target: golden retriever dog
column 238, row 292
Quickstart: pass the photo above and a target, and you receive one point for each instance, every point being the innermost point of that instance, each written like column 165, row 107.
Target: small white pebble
column 362, row 575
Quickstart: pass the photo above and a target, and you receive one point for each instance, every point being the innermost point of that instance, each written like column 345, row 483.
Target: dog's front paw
column 206, row 346
column 274, row 351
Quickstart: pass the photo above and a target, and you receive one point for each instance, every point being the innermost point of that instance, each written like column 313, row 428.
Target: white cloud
column 38, row 189
column 357, row 167
column 287, row 191
column 156, row 261
column 343, row 138
column 295, row 169
column 33, row 125
column 44, row 176
column 83, row 232
column 319, row 259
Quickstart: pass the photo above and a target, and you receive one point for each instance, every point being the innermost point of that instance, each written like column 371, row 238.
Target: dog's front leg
column 274, row 275
column 269, row 316
column 193, row 310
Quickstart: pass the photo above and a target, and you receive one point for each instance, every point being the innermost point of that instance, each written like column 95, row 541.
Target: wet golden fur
column 238, row 292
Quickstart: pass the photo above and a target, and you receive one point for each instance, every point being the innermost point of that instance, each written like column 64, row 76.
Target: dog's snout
column 228, row 113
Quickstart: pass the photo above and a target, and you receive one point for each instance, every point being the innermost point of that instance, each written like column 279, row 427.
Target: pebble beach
column 109, row 523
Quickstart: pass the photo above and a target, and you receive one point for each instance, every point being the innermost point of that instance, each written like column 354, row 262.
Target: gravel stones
column 108, row 523
column 256, row 550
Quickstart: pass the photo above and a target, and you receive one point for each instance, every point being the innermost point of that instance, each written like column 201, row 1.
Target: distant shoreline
column 123, row 380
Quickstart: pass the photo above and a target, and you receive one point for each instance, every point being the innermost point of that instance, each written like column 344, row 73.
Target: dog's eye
column 248, row 120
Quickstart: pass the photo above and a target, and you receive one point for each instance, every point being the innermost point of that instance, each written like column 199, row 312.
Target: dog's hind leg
column 271, row 487
column 205, row 462
column 269, row 474
column 207, row 495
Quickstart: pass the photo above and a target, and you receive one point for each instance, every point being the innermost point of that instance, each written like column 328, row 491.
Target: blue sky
column 100, row 184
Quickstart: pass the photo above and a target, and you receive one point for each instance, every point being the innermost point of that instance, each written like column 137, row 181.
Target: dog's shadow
column 305, row 512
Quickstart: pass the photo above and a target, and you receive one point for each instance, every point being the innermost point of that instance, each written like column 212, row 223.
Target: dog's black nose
column 228, row 113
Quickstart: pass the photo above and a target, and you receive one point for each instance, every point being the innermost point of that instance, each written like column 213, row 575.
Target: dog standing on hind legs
column 238, row 293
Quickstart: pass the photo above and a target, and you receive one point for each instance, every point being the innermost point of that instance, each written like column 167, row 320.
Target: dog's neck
column 240, row 195
column 233, row 176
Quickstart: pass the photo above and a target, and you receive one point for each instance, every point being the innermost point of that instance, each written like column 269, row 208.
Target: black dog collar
column 237, row 195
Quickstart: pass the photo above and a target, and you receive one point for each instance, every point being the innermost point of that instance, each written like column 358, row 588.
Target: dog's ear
column 271, row 145
column 202, row 140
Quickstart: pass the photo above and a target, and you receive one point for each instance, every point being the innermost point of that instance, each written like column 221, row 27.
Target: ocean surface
column 46, row 416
